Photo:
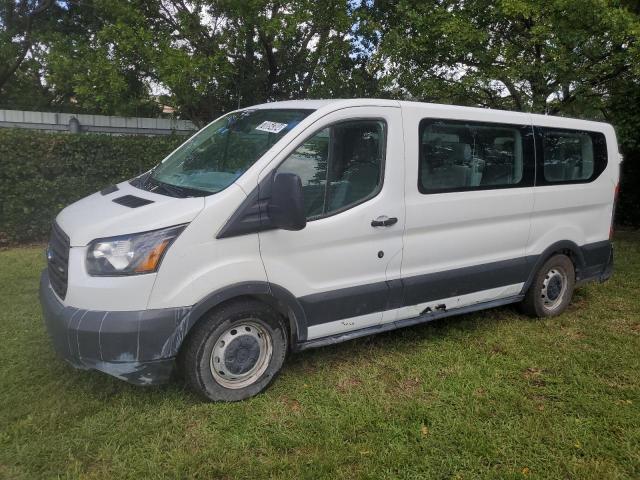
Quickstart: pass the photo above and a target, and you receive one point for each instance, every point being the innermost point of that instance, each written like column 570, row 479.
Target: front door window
column 340, row 166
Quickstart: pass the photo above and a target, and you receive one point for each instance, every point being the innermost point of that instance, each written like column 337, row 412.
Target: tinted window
column 457, row 156
column 339, row 166
column 309, row 162
column 567, row 156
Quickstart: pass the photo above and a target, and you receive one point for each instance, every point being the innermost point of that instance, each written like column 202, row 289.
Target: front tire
column 552, row 288
column 235, row 352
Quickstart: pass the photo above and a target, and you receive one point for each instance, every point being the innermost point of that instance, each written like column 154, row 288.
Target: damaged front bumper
column 138, row 347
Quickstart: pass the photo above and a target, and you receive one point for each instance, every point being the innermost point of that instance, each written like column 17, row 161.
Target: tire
column 552, row 288
column 235, row 352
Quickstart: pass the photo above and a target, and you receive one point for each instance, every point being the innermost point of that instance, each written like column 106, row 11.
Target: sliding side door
column 469, row 199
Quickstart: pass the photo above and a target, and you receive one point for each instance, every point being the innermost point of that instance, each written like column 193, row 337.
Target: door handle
column 384, row 221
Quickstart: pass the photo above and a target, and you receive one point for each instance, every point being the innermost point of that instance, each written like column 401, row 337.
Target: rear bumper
column 598, row 265
column 608, row 269
column 138, row 347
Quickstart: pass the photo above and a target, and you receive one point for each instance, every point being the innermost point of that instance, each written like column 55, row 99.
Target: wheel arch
column 565, row 247
column 278, row 298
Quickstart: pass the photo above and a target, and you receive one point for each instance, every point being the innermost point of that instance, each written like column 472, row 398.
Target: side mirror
column 286, row 205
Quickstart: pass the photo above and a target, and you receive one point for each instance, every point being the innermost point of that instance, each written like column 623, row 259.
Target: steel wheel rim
column 554, row 288
column 241, row 354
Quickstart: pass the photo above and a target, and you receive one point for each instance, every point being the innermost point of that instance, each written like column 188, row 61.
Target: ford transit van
column 298, row 224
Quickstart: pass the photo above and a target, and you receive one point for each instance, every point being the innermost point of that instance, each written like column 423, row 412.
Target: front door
column 342, row 264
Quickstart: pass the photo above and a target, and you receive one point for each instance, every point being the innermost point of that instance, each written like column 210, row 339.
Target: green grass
column 487, row 395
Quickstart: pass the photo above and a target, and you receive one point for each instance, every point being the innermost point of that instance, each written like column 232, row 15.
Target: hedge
column 628, row 208
column 41, row 173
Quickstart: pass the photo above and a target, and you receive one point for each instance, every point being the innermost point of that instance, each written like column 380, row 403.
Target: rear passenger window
column 571, row 156
column 340, row 166
column 458, row 156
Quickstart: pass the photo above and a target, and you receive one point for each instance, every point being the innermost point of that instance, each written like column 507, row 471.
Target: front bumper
column 135, row 346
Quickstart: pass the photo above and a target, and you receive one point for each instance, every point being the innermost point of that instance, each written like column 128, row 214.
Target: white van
column 297, row 224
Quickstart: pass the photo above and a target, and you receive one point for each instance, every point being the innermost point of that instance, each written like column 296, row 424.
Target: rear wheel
column 552, row 288
column 236, row 352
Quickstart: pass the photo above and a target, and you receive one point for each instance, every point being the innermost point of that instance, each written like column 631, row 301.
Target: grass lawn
column 486, row 395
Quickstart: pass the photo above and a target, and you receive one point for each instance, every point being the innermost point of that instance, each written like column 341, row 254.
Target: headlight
column 130, row 254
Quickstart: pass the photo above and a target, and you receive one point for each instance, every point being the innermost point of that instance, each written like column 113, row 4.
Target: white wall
column 48, row 121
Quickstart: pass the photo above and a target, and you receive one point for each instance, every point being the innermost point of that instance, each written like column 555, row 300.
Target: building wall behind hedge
column 41, row 173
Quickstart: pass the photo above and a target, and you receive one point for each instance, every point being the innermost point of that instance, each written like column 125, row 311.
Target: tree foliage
column 546, row 56
column 205, row 57
column 215, row 56
column 23, row 25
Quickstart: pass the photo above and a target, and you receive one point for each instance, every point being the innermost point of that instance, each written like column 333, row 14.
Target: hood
column 99, row 216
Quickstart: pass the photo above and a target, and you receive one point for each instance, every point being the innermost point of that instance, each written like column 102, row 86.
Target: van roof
column 361, row 102
column 317, row 104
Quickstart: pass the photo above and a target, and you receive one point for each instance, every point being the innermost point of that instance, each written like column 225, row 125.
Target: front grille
column 58, row 260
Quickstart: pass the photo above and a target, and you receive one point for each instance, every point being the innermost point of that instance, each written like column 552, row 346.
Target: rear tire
column 235, row 352
column 552, row 288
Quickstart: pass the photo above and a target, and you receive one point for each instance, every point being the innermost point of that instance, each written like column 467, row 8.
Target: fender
column 275, row 295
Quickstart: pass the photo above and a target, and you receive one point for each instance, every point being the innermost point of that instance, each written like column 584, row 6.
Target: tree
column 535, row 55
column 226, row 54
column 206, row 56
column 99, row 59
column 22, row 26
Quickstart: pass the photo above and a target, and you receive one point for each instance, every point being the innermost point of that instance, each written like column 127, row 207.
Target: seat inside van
column 567, row 157
column 455, row 157
column 354, row 168
column 358, row 172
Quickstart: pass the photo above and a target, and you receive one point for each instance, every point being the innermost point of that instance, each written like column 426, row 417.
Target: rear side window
column 340, row 166
column 571, row 156
column 460, row 156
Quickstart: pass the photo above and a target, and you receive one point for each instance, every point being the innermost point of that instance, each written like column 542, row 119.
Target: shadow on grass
column 101, row 387
column 412, row 338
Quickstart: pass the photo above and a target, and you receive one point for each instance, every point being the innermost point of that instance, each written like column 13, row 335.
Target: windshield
column 216, row 156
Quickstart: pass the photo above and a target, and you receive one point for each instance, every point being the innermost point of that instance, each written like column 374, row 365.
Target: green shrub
column 628, row 209
column 41, row 173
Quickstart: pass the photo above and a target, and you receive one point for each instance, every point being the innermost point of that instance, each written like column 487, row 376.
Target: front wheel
column 552, row 288
column 236, row 352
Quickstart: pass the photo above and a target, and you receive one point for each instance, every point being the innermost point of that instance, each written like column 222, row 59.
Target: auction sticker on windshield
column 271, row 127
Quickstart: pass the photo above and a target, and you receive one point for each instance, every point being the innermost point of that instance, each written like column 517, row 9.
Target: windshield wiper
column 169, row 189
column 154, row 185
